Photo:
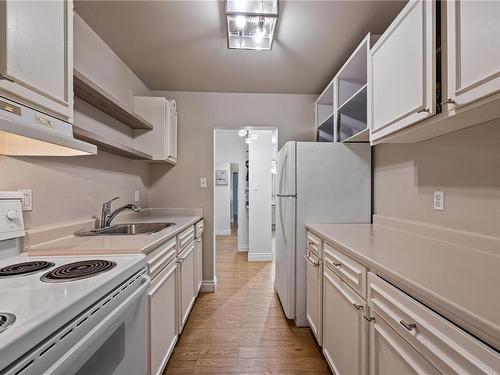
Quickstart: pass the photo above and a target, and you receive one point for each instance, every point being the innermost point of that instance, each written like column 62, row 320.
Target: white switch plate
column 27, row 200
column 137, row 196
column 438, row 200
column 203, row 182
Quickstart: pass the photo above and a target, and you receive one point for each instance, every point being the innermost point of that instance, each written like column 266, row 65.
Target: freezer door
column 284, row 280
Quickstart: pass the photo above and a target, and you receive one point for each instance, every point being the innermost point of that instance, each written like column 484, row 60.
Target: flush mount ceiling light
column 251, row 24
column 242, row 132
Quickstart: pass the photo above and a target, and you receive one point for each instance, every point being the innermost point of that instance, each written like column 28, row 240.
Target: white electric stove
column 69, row 315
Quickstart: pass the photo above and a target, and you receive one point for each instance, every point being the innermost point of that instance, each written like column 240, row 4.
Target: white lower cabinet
column 345, row 329
column 391, row 354
column 198, row 264
column 314, row 304
column 186, row 295
column 162, row 318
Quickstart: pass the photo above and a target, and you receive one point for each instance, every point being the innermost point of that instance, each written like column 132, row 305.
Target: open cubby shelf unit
column 341, row 109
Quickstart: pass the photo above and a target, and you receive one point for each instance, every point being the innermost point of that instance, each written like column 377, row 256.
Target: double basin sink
column 126, row 229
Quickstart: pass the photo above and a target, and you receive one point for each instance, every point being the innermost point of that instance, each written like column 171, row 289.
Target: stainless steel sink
column 126, row 229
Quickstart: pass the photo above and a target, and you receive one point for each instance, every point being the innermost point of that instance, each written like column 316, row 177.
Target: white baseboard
column 243, row 248
column 260, row 257
column 209, row 286
column 223, row 232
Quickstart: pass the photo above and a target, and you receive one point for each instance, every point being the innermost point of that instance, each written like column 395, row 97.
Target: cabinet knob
column 358, row 307
column 11, row 215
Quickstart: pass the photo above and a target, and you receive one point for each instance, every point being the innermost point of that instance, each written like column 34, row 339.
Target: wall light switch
column 439, row 200
column 27, row 200
column 137, row 196
column 203, row 182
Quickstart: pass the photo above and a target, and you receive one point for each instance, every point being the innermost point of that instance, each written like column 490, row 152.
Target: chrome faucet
column 107, row 215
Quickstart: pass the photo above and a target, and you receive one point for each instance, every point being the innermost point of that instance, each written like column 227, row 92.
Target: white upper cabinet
column 161, row 142
column 473, row 50
column 402, row 71
column 36, row 55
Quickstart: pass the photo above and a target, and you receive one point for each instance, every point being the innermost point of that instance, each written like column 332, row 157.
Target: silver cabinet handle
column 180, row 259
column 335, row 264
column 449, row 101
column 408, row 326
column 424, row 110
column 358, row 307
column 311, row 243
column 315, row 264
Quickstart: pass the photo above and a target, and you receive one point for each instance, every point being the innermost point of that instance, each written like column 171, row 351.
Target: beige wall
column 73, row 188
column 464, row 164
column 199, row 114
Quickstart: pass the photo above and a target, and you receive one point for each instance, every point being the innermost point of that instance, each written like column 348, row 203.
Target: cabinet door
column 198, row 266
column 391, row 354
column 402, row 71
column 186, row 284
column 172, row 133
column 163, row 318
column 314, row 293
column 473, row 59
column 36, row 54
column 344, row 327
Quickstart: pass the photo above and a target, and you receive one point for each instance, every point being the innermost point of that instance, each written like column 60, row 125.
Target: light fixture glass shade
column 251, row 24
column 252, row 7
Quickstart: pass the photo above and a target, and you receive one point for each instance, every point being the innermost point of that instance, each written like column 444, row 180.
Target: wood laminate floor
column 241, row 329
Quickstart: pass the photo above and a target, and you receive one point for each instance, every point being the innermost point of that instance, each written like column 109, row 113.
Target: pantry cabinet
column 186, row 287
column 161, row 142
column 473, row 53
column 402, row 71
column 345, row 330
column 36, row 55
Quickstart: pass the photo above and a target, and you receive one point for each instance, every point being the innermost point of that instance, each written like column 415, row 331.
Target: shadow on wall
column 467, row 158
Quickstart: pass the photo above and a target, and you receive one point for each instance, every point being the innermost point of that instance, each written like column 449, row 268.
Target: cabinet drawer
column 185, row 237
column 314, row 244
column 350, row 271
column 447, row 347
column 199, row 228
column 159, row 258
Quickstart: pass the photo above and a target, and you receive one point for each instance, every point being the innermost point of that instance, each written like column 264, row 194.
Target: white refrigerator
column 317, row 183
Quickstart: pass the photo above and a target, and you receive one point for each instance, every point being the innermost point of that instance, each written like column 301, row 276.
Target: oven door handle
column 61, row 366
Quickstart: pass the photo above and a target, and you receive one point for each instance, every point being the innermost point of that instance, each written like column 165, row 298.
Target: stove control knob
column 11, row 215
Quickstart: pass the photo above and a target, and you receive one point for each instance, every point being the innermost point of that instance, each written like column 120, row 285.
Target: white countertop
column 119, row 244
column 458, row 282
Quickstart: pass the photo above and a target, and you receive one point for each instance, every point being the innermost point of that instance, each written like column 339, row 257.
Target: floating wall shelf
column 90, row 92
column 112, row 147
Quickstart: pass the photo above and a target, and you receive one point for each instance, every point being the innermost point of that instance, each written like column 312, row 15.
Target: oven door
column 117, row 345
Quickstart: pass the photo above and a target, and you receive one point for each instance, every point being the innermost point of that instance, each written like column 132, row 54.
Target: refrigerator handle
column 282, row 170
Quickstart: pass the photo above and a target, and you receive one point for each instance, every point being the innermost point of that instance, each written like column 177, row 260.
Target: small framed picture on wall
column 221, row 177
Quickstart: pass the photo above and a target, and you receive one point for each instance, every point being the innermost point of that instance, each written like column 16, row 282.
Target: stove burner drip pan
column 77, row 271
column 6, row 320
column 25, row 268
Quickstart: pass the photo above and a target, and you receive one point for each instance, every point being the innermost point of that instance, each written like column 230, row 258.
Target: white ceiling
column 181, row 45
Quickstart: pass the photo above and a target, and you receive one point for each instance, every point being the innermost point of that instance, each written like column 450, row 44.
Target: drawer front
column 159, row 258
column 199, row 228
column 350, row 271
column 185, row 238
column 314, row 243
column 447, row 347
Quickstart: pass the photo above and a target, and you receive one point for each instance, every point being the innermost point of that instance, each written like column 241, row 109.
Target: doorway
column 244, row 191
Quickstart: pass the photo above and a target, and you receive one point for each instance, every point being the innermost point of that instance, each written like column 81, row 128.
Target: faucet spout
column 108, row 215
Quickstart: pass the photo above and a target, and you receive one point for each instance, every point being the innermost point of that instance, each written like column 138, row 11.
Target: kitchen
column 387, row 236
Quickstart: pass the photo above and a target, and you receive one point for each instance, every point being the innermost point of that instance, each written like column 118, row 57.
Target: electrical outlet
column 203, row 182
column 27, row 200
column 439, row 200
column 137, row 196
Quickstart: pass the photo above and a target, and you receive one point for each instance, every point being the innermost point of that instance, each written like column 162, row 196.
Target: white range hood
column 26, row 132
